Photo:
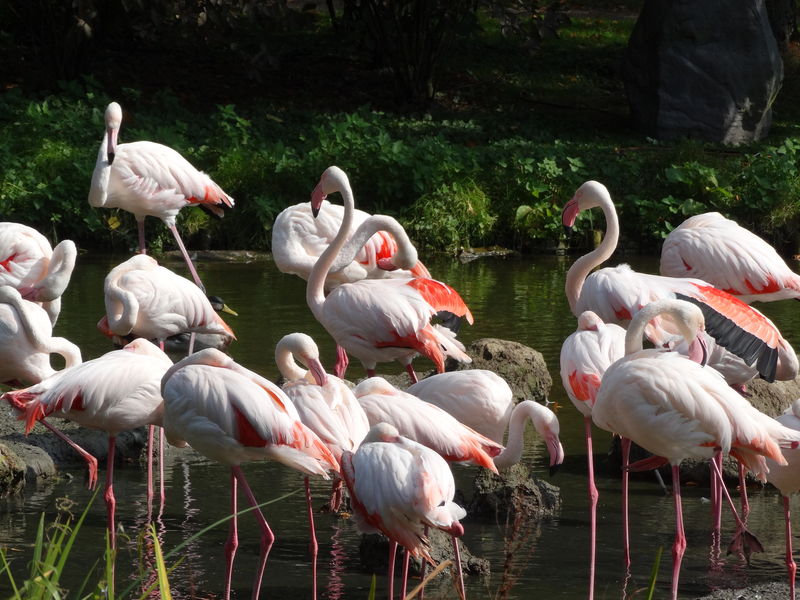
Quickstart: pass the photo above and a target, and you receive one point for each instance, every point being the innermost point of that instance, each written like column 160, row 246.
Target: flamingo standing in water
column 617, row 294
column 398, row 487
column 232, row 415
column 116, row 392
column 729, row 257
column 787, row 479
column 149, row 179
column 299, row 239
column 39, row 272
column 676, row 409
column 380, row 320
column 585, row 356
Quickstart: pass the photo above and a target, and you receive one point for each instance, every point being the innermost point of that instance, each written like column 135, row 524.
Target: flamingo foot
column 340, row 368
column 744, row 543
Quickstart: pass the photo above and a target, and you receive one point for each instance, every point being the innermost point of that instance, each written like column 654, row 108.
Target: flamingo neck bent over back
column 546, row 424
column 405, row 257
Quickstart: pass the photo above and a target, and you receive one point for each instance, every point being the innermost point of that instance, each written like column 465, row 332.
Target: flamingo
column 147, row 300
column 379, row 320
column 676, row 409
column 398, row 487
column 617, row 294
column 787, row 479
column 585, row 356
column 729, row 257
column 299, row 239
column 149, row 179
column 39, row 272
column 116, row 392
column 425, row 423
column 325, row 405
column 231, row 414
column 483, row 401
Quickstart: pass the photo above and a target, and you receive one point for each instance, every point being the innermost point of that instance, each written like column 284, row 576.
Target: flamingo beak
column 317, row 197
column 386, row 264
column 556, row 453
column 112, row 144
column 104, row 328
column 698, row 350
column 317, row 370
column 568, row 215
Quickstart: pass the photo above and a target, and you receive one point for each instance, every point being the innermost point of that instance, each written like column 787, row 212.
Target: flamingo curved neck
column 515, row 443
column 70, row 352
column 288, row 367
column 669, row 306
column 59, row 272
column 315, row 293
column 122, row 309
column 98, row 192
column 405, row 255
column 581, row 268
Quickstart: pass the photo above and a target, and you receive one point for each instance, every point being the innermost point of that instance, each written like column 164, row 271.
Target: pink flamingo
column 325, row 405
column 379, row 320
column 585, row 356
column 787, row 479
column 39, row 272
column 149, row 179
column 676, row 409
column 116, row 392
column 617, row 294
column 299, row 239
column 398, row 487
column 729, row 257
column 231, row 414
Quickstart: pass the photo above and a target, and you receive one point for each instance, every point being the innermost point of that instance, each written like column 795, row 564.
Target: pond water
column 513, row 298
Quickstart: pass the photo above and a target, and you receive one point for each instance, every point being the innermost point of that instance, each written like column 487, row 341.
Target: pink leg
column 423, row 568
column 142, row 247
column 717, row 485
column 679, row 547
column 370, row 372
column 161, row 464
column 406, row 563
column 336, row 494
column 593, row 496
column 233, row 540
column 111, row 502
column 392, row 554
column 267, row 537
column 340, row 368
column 744, row 541
column 791, row 567
column 91, row 461
column 626, row 453
column 150, row 441
column 743, row 492
column 457, row 554
column 188, row 260
column 313, row 547
column 411, row 374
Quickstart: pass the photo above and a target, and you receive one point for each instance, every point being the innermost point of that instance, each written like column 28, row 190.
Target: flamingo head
column 113, row 122
column 382, row 432
column 333, row 179
column 589, row 321
column 589, row 195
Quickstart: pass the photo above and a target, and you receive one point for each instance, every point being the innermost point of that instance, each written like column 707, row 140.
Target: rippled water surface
column 513, row 298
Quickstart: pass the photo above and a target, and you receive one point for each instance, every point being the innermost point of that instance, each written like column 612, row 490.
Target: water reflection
column 512, row 298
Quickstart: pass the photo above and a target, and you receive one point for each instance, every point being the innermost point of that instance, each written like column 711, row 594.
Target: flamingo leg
column 192, row 337
column 336, row 494
column 406, row 563
column 188, row 260
column 626, row 454
column 423, row 568
column 340, row 368
column 743, row 492
column 593, row 496
column 111, row 502
column 791, row 566
column 267, row 537
column 313, row 547
column 457, row 553
column 91, row 461
column 744, row 541
column 150, row 441
column 161, row 464
column 392, row 555
column 233, row 539
column 370, row 372
column 411, row 373
column 679, row 546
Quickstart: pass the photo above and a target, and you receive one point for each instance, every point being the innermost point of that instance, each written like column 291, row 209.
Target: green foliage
column 451, row 217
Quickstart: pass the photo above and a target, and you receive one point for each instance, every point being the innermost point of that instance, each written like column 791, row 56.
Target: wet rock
column 521, row 366
column 12, row 471
column 773, row 398
column 374, row 554
column 778, row 590
column 514, row 493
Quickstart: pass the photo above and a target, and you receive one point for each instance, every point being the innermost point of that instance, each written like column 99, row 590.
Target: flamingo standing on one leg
column 115, row 392
column 677, row 409
column 398, row 487
column 787, row 479
column 585, row 356
column 617, row 294
column 729, row 257
column 39, row 272
column 149, row 179
column 379, row 320
column 231, row 414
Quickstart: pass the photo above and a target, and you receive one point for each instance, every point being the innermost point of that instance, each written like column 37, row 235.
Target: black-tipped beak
column 111, row 156
column 567, row 231
column 314, row 212
column 554, row 469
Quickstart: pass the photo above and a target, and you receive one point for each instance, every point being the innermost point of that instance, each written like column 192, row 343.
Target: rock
column 512, row 493
column 761, row 591
column 521, row 366
column 707, row 70
column 12, row 471
column 773, row 398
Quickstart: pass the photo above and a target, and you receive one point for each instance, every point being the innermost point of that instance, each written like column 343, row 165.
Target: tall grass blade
column 654, row 574
column 37, row 547
column 7, row 569
column 372, row 587
column 440, row 567
column 163, row 581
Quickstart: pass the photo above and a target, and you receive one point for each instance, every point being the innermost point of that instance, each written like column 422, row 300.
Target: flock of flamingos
column 388, row 448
